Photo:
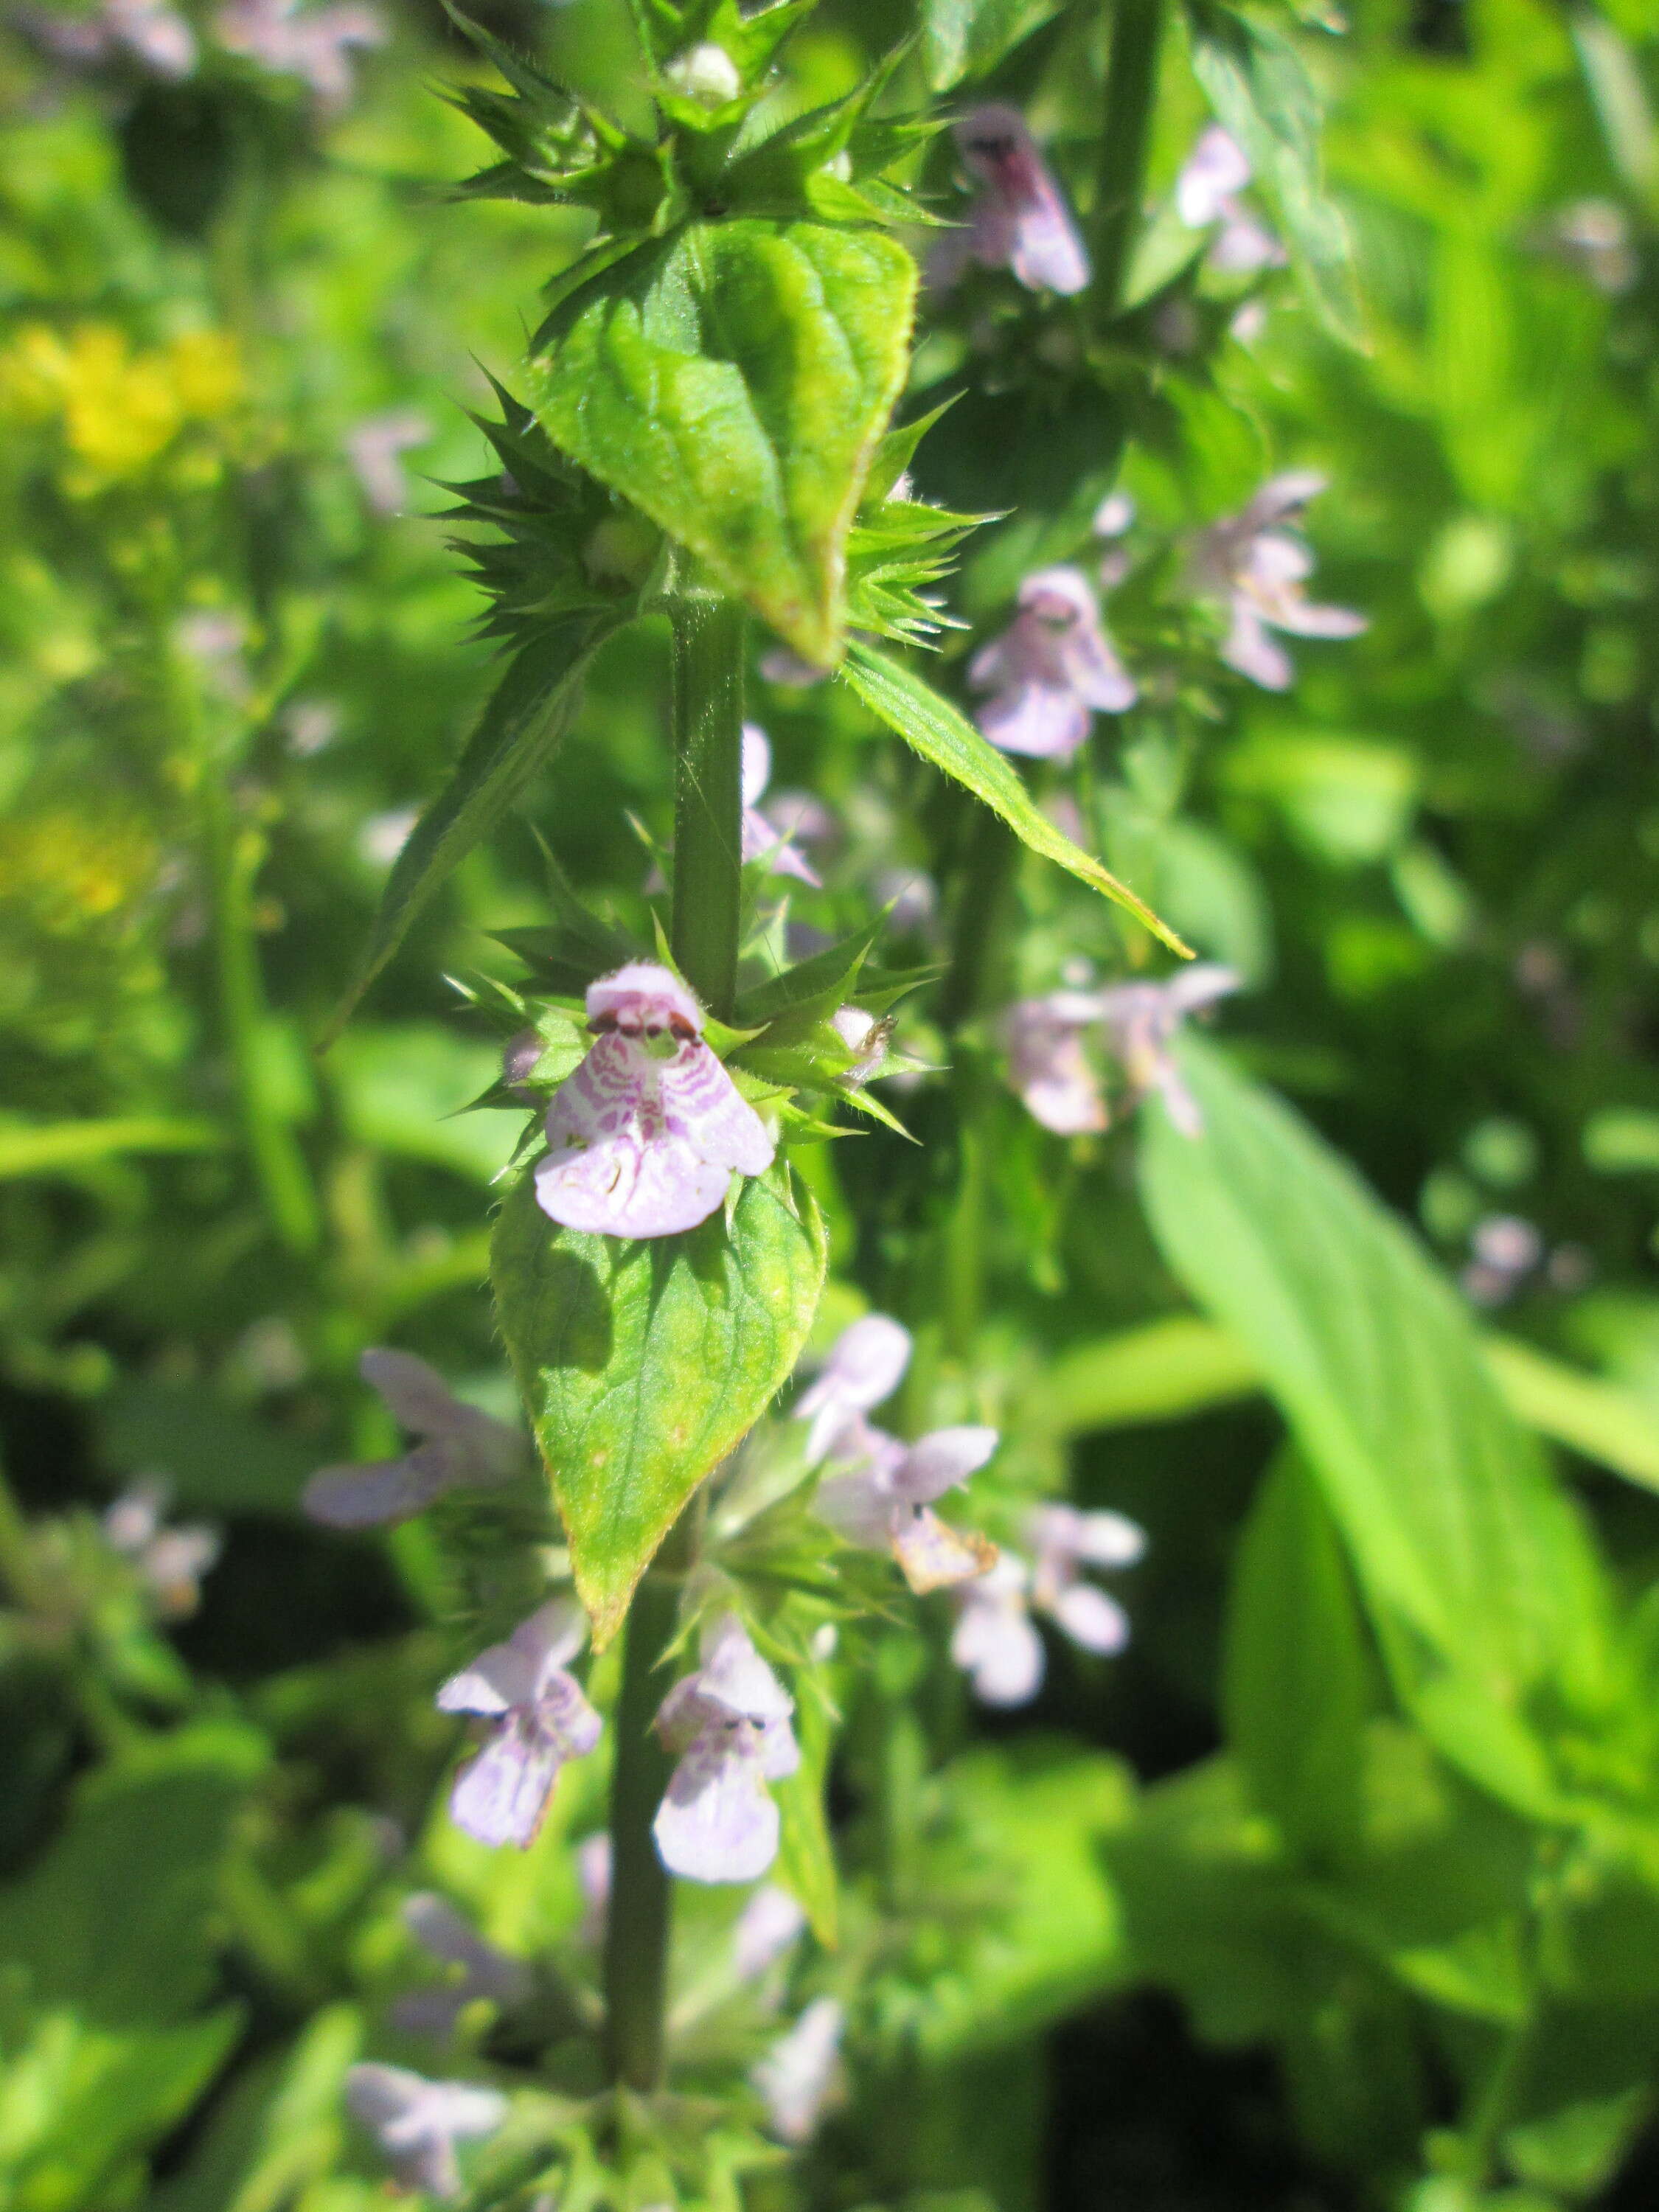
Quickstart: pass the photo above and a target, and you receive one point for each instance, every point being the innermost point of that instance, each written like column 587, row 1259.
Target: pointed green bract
column 736, row 390
column 518, row 733
column 941, row 733
column 644, row 1364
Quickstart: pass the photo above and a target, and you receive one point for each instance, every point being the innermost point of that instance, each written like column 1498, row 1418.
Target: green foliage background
column 1373, row 1797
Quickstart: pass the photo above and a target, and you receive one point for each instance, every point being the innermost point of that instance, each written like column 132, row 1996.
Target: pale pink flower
column 1051, row 671
column 1064, row 1541
column 768, row 1925
column 879, row 1495
column 375, row 448
column 154, row 35
column 728, row 1727
column 459, row 1448
column 1505, row 1247
column 1215, row 173
column 1141, row 1021
column 312, row 43
column 484, row 1971
column 1047, row 1065
column 644, row 1138
column 995, row 1640
column 1018, row 219
column 865, row 1365
column 539, row 1718
column 1258, row 564
column 763, row 835
column 911, row 896
column 418, row 2123
column 1115, row 515
column 796, row 2076
column 1593, row 236
column 170, row 1561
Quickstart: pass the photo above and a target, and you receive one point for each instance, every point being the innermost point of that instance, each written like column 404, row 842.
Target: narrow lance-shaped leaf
column 643, row 1365
column 735, row 388
column 1465, row 1547
column 528, row 713
column 1294, row 1690
column 941, row 733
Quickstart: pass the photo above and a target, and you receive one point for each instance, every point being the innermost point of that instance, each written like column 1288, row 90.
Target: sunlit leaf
column 735, row 388
column 941, row 733
column 644, row 1364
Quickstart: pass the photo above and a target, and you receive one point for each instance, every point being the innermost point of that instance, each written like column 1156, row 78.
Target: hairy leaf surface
column 736, row 390
column 644, row 1364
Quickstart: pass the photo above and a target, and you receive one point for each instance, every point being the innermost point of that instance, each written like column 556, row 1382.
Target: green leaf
column 98, row 2098
column 1263, row 96
column 46, row 1148
column 806, row 1857
column 735, row 387
column 1021, row 1825
column 644, row 1364
column 114, row 1921
column 966, row 38
column 943, row 735
column 1615, row 1428
column 1468, row 1555
column 528, row 713
column 217, row 1454
column 1160, row 1371
column 1294, row 1678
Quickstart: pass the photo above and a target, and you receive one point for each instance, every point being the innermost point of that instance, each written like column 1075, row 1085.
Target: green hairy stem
column 707, row 662
column 1131, row 90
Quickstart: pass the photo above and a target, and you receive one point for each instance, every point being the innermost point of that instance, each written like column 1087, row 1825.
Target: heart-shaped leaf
column 736, row 390
column 644, row 1364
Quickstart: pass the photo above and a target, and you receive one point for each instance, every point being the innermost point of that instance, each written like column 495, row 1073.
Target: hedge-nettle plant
column 712, row 433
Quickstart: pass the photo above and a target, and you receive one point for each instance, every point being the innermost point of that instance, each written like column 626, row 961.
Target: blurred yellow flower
column 119, row 409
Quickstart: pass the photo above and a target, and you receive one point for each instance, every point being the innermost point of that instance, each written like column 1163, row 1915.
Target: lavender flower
column 485, row 1972
column 1505, row 1249
column 418, row 2123
column 995, row 1641
column 763, row 834
column 1018, row 219
column 643, row 1138
column 460, row 1447
column 1047, row 1065
column 155, row 36
column 312, row 43
column 766, row 1928
column 375, row 448
column 538, row 1718
column 171, row 1562
column 1141, row 1021
column 865, row 1365
column 1215, row 172
column 728, row 1726
column 879, row 1495
column 796, row 2076
column 1257, row 564
column 1050, row 670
